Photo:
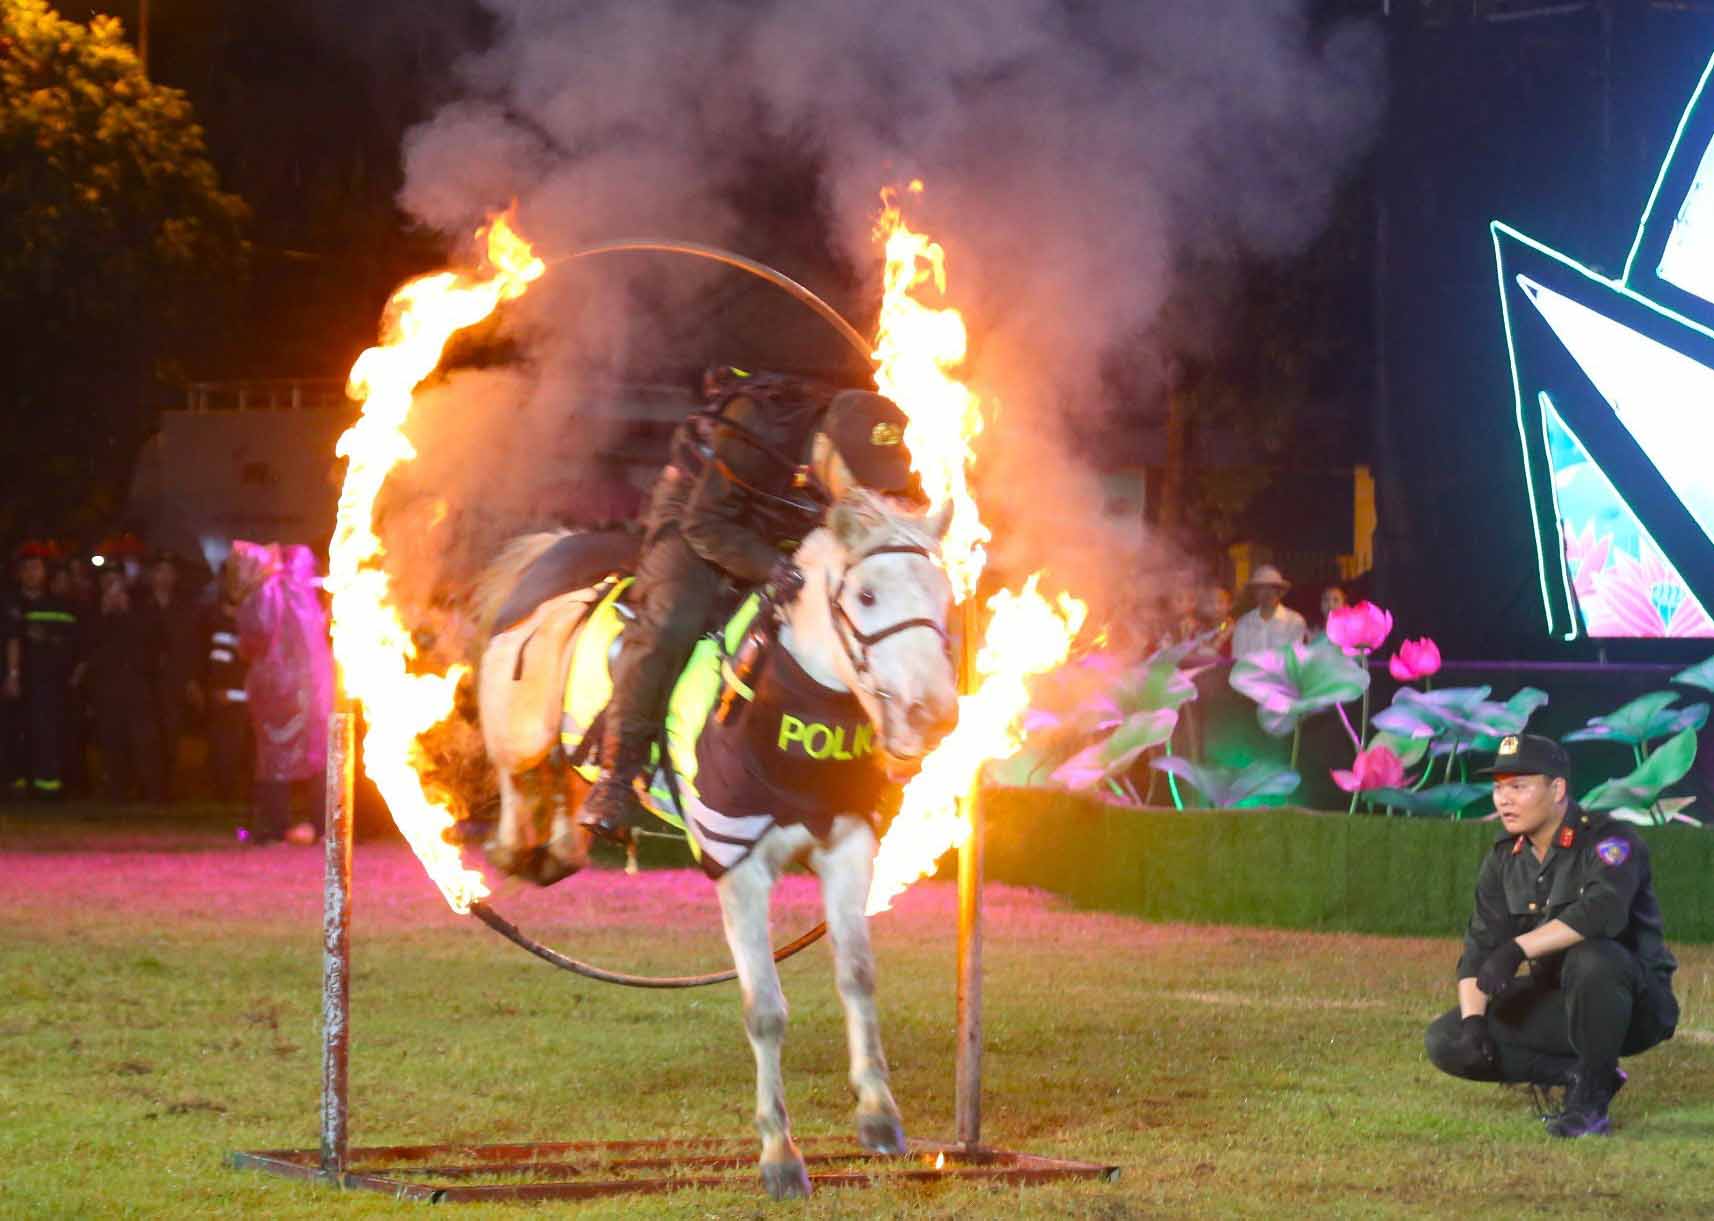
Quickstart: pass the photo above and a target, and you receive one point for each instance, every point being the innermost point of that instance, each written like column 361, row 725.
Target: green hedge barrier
column 1287, row 868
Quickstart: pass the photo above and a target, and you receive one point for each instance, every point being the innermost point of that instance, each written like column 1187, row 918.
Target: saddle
column 707, row 687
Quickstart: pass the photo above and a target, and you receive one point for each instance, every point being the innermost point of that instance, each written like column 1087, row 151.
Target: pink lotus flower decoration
column 1375, row 768
column 1360, row 628
column 1415, row 659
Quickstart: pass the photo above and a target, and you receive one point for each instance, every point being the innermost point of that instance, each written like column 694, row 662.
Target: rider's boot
column 613, row 809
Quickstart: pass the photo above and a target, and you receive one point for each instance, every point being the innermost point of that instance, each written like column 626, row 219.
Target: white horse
column 870, row 624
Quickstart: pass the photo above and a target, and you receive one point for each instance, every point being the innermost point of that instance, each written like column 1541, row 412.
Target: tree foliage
column 116, row 248
column 106, row 190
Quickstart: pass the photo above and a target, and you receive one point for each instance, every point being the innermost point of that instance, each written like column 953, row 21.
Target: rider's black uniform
column 734, row 501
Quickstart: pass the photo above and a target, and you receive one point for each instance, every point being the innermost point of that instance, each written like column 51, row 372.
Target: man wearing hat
column 1270, row 625
column 1568, row 895
column 748, row 478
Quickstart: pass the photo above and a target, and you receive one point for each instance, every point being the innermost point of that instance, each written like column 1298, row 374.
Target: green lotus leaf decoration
column 1437, row 801
column 1224, row 787
column 1643, row 720
column 1159, row 681
column 1667, row 766
column 1699, row 675
column 1118, row 753
column 1432, row 714
column 1410, row 751
column 1458, row 719
column 1291, row 683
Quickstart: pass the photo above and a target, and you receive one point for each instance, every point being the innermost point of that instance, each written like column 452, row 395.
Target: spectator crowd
column 1226, row 628
column 123, row 671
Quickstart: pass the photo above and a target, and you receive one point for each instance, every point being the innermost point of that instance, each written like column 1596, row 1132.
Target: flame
column 940, row 1161
column 918, row 350
column 1027, row 635
column 371, row 644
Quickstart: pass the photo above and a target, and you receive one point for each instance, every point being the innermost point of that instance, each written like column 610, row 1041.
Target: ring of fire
column 917, row 350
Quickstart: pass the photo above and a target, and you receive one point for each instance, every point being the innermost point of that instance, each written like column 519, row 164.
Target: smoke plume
column 1080, row 158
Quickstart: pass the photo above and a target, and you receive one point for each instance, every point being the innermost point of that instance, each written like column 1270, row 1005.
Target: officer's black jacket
column 1596, row 878
column 49, row 635
column 718, row 466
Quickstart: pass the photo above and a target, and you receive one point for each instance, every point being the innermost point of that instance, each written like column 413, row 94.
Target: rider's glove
column 1500, row 968
column 785, row 582
column 1475, row 1050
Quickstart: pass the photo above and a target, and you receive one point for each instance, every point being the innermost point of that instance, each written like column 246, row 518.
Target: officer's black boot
column 612, row 808
column 1588, row 1094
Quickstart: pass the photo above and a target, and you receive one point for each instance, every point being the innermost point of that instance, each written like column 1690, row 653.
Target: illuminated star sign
column 1613, row 381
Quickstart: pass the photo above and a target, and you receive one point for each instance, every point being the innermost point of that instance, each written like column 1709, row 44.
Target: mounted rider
column 747, row 478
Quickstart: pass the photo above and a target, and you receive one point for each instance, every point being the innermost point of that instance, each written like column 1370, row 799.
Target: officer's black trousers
column 126, row 733
column 1603, row 1005
column 39, row 731
column 676, row 591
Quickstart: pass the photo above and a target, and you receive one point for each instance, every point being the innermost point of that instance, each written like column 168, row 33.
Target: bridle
column 855, row 642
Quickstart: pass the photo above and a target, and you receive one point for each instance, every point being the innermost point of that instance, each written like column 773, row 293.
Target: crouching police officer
column 1569, row 894
column 747, row 479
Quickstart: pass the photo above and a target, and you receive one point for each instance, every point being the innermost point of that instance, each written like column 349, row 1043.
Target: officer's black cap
column 1528, row 754
column 868, row 430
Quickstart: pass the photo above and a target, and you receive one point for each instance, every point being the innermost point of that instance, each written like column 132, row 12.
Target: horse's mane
column 501, row 577
column 891, row 521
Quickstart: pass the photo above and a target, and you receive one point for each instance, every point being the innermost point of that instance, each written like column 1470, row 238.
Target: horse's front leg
column 845, row 867
column 744, row 896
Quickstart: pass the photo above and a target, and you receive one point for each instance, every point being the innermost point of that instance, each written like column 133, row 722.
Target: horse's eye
column 866, row 597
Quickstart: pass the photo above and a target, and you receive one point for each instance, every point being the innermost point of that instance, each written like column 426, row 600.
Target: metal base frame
column 588, row 1169
column 581, row 1170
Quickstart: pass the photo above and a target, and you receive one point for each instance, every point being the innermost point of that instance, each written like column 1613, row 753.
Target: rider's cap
column 1528, row 754
column 868, row 430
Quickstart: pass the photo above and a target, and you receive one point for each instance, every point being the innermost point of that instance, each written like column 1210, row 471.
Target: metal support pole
column 336, row 941
column 969, row 1095
column 968, row 1104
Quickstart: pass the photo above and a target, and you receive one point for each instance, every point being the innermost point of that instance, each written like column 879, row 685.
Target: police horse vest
column 752, row 739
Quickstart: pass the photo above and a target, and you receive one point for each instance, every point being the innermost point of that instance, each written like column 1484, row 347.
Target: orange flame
column 370, row 642
column 916, row 348
column 917, row 351
column 1026, row 636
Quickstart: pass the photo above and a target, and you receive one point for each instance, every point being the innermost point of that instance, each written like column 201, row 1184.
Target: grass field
column 161, row 992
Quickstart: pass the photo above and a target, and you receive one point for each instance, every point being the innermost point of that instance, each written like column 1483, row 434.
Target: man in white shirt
column 1270, row 625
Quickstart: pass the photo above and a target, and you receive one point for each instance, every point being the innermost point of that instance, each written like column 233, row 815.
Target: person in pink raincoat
column 282, row 633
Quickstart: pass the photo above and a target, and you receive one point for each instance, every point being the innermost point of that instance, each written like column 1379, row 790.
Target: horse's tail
column 501, row 577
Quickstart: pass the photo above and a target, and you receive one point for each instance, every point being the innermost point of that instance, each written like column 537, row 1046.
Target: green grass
column 161, row 996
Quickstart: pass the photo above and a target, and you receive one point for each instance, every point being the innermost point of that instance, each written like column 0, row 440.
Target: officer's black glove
column 1475, row 1047
column 1501, row 967
column 785, row 582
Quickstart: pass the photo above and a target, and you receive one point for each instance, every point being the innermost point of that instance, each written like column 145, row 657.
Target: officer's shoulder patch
column 1614, row 851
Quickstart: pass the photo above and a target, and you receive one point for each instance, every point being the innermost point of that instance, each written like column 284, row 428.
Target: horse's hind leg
column 567, row 848
column 845, row 867
column 744, row 893
column 520, row 848
column 512, row 847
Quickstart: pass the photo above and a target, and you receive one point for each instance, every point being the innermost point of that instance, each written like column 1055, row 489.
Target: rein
column 848, row 632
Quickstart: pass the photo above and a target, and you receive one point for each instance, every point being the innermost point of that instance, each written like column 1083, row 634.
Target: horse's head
column 873, row 617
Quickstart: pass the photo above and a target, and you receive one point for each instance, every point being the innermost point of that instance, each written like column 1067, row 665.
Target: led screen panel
column 1613, row 385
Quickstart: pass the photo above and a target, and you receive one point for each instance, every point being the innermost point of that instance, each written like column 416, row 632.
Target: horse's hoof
column 785, row 1180
column 882, row 1134
column 510, row 861
column 548, row 868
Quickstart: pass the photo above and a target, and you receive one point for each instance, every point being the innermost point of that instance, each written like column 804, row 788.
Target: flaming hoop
column 918, row 350
column 371, row 644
